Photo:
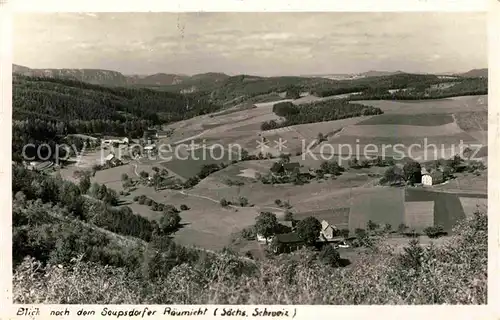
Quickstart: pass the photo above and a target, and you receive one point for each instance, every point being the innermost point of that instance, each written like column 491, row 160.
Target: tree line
column 317, row 112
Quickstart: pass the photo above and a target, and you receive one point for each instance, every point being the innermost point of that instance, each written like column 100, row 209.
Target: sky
column 252, row 43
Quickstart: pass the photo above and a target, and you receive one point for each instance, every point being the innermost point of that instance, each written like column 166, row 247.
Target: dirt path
column 211, row 199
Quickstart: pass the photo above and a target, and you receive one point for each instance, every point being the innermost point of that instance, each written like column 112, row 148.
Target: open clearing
column 448, row 105
column 419, row 214
column 448, row 209
column 467, row 182
column 446, row 140
column 390, row 130
column 425, row 119
column 472, row 121
column 382, row 205
column 192, row 165
column 248, row 173
column 471, row 205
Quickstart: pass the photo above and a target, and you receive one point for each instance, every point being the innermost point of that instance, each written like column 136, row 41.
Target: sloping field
column 483, row 152
column 405, row 140
column 422, row 148
column 206, row 224
column 449, row 105
column 482, row 137
column 248, row 124
column 419, row 214
column 448, row 209
column 211, row 227
column 467, row 182
column 383, row 205
column 475, row 124
column 391, row 130
column 299, row 137
column 472, row 121
column 311, row 130
column 471, row 205
column 424, row 119
column 192, row 165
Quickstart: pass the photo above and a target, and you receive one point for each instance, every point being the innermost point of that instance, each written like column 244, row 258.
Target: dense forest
column 463, row 87
column 72, row 100
column 381, row 83
column 243, row 87
column 47, row 109
column 317, row 112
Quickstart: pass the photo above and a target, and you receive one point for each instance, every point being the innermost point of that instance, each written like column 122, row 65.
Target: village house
column 290, row 167
column 433, row 178
column 287, row 242
column 112, row 161
column 328, row 231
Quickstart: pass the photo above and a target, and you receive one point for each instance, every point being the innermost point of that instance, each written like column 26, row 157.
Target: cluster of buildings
column 290, row 241
column 286, row 169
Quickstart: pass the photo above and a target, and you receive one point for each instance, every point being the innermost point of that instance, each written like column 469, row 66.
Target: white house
column 328, row 231
column 112, row 160
column 261, row 238
column 429, row 179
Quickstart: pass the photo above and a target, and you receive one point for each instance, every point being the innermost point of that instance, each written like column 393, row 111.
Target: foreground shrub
column 329, row 256
column 434, row 231
column 455, row 273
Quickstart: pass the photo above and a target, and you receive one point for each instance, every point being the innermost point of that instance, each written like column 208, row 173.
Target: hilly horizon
column 116, row 78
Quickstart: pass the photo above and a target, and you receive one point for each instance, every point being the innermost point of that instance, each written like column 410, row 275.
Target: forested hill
column 476, row 73
column 223, row 89
column 46, row 109
column 65, row 100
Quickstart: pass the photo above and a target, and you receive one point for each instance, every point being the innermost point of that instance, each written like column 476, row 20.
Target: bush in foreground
column 455, row 273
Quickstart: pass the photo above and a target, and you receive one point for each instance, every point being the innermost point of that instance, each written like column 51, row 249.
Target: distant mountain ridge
column 353, row 76
column 475, row 73
column 115, row 78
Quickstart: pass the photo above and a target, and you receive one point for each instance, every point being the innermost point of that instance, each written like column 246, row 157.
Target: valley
column 181, row 175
